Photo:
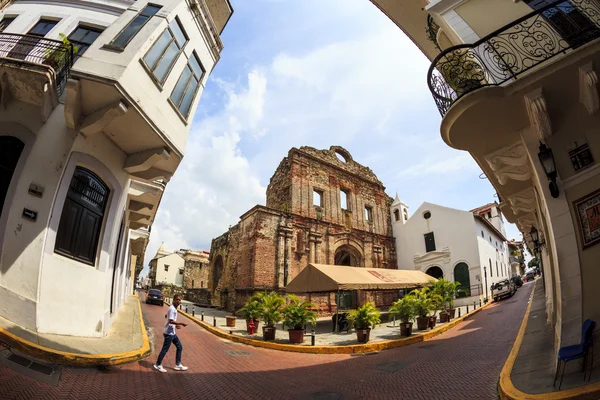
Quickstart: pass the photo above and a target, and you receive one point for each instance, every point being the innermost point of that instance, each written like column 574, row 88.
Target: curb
column 78, row 359
column 508, row 391
column 349, row 349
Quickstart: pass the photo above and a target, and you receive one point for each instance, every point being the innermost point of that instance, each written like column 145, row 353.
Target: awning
column 330, row 278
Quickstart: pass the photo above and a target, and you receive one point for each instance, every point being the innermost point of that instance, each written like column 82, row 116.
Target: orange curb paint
column 78, row 359
column 508, row 391
column 349, row 349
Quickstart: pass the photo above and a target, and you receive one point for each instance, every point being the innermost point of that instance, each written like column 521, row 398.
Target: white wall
column 492, row 248
column 172, row 276
column 453, row 229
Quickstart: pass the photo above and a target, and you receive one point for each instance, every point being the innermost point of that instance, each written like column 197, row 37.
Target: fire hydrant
column 251, row 327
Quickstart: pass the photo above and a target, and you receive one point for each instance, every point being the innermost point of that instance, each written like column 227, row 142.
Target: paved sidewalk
column 533, row 371
column 324, row 335
column 125, row 341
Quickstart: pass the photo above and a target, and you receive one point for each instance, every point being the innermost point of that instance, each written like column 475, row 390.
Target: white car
column 505, row 288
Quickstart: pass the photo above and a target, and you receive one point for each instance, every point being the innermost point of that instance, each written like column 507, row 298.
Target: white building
column 464, row 246
column 84, row 169
column 166, row 268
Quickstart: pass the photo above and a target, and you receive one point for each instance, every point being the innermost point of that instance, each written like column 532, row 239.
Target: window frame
column 44, row 19
column 425, row 236
column 5, row 17
column 185, row 118
column 369, row 214
column 320, row 193
column 101, row 212
column 151, row 69
column 112, row 45
column 167, row 267
column 347, row 198
column 74, row 42
column 397, row 214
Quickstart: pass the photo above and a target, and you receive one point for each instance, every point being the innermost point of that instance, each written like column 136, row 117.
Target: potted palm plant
column 363, row 319
column 437, row 305
column 296, row 314
column 271, row 312
column 251, row 312
column 452, row 289
column 405, row 310
column 440, row 288
column 423, row 307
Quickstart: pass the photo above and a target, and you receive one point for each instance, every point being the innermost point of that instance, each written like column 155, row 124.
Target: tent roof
column 330, row 278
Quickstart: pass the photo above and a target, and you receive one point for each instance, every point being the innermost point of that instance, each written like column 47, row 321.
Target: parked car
column 502, row 289
column 155, row 296
column 530, row 276
column 517, row 281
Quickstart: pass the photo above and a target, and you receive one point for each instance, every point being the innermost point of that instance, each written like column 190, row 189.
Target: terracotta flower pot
column 362, row 334
column 444, row 317
column 406, row 328
column 230, row 319
column 452, row 312
column 269, row 332
column 423, row 323
column 432, row 321
column 296, row 336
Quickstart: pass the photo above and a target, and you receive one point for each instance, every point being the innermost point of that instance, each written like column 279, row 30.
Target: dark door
column 10, row 151
column 569, row 21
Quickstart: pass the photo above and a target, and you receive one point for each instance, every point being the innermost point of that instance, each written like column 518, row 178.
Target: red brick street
column 463, row 363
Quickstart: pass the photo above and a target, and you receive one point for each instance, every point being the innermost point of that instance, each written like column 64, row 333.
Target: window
column 317, row 198
column 482, row 235
column 496, row 244
column 166, row 268
column 368, row 214
column 201, row 284
column 344, row 199
column 429, row 242
column 491, row 272
column 192, row 283
column 427, row 214
column 489, row 215
column 405, row 215
column 497, row 272
column 163, row 54
column 187, row 85
column 82, row 37
column 42, row 27
column 6, row 21
column 397, row 215
column 81, row 218
column 180, row 271
column 135, row 26
column 490, row 239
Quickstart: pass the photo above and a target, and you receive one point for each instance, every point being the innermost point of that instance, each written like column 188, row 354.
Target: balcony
column 21, row 51
column 511, row 51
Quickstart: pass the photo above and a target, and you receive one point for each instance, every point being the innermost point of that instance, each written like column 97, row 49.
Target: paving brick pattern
column 463, row 363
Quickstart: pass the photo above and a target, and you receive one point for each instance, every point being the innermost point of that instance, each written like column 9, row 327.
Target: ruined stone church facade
column 322, row 207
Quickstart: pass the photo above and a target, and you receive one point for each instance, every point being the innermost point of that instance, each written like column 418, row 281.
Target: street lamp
column 547, row 160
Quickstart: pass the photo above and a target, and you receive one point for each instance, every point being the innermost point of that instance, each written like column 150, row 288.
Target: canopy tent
column 332, row 278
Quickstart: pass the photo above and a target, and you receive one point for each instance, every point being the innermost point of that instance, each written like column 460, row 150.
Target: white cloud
column 368, row 94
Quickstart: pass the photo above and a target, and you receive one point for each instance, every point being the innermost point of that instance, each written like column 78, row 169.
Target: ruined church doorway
column 217, row 272
column 10, row 152
column 348, row 256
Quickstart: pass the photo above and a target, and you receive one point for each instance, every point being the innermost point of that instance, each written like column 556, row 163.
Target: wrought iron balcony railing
column 37, row 50
column 512, row 50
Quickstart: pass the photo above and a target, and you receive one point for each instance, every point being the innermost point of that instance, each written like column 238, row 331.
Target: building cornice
column 116, row 9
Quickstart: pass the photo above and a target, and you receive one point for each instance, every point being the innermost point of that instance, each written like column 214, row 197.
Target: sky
column 310, row 73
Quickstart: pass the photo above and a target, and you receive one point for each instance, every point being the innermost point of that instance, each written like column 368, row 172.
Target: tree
column 534, row 262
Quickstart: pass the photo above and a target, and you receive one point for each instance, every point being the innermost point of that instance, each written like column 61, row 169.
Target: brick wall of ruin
column 195, row 275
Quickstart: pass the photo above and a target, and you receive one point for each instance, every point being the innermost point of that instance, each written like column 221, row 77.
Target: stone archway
column 347, row 255
column 436, row 272
column 217, row 272
column 461, row 275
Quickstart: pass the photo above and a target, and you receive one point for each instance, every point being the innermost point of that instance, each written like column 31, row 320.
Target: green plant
column 56, row 57
column 452, row 292
column 297, row 313
column 424, row 304
column 271, row 307
column 251, row 310
column 366, row 316
column 405, row 308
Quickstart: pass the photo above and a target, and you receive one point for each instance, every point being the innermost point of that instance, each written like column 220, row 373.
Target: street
column 463, row 363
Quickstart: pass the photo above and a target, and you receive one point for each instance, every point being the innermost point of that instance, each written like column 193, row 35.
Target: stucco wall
column 172, row 276
column 485, row 16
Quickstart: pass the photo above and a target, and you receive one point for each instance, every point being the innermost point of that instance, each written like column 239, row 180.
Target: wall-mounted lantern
column 547, row 159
